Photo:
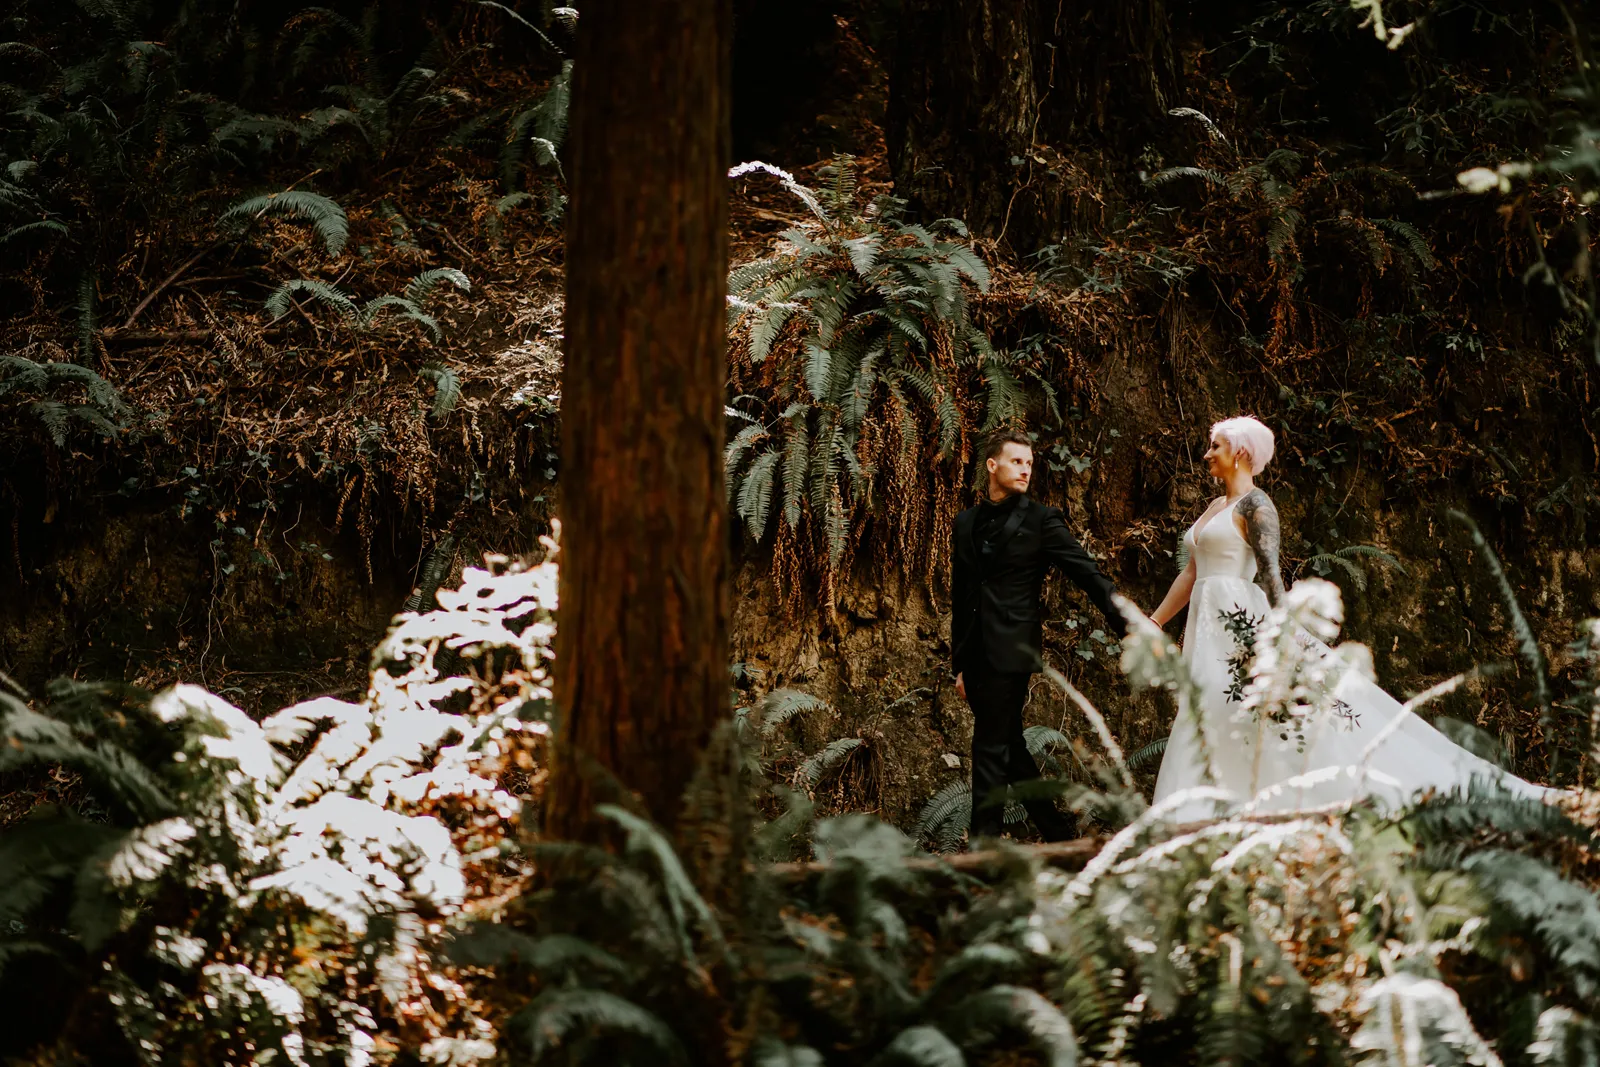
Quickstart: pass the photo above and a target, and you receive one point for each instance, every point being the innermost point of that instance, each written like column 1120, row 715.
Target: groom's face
column 1012, row 469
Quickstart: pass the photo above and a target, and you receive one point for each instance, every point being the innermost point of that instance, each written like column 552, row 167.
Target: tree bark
column 641, row 674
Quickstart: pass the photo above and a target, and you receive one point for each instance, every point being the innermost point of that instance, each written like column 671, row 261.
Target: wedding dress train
column 1250, row 758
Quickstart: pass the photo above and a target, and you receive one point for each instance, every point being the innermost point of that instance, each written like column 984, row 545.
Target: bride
column 1233, row 565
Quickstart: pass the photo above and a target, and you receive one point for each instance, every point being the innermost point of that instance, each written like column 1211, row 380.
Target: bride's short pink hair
column 1248, row 437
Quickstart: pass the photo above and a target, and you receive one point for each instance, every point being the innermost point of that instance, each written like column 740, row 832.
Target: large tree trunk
column 988, row 97
column 641, row 655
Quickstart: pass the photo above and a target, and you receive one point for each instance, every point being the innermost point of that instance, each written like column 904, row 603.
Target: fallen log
column 1066, row 855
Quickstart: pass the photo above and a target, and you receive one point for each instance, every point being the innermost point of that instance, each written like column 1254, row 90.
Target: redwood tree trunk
column 641, row 653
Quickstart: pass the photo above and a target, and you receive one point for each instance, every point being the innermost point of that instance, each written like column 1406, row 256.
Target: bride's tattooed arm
column 1265, row 537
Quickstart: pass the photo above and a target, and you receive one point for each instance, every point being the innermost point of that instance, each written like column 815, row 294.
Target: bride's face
column 1219, row 458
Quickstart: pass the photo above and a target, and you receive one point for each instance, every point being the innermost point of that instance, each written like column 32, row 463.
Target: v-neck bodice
column 1219, row 549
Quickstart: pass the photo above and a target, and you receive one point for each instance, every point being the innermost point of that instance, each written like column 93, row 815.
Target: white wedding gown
column 1249, row 758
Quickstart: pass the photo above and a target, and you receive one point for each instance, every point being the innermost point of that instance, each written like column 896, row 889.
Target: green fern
column 446, row 388
column 325, row 215
column 577, row 1015
column 817, row 766
column 1527, row 641
column 281, row 299
column 850, row 304
column 1411, row 240
column 1344, row 558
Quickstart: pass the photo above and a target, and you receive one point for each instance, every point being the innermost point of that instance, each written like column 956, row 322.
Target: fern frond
column 1564, row 916
column 818, row 765
column 43, row 226
column 562, row 1014
column 1281, row 232
column 921, row 1046
column 418, row 289
column 369, row 312
column 325, row 215
column 1411, row 240
column 863, row 253
column 446, row 388
column 755, row 492
column 1190, row 113
column 1171, row 174
column 644, row 841
column 775, row 840
column 487, row 944
column 781, row 705
column 1025, row 1010
column 1148, row 754
column 946, row 816
column 796, row 464
column 734, row 453
column 20, row 372
column 1527, row 642
column 281, row 299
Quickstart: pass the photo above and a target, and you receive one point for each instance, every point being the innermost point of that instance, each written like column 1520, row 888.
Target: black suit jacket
column 997, row 609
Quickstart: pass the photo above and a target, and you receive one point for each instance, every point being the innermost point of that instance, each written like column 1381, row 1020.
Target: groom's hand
column 961, row 686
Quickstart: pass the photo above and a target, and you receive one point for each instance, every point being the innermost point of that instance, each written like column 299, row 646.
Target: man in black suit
column 1001, row 549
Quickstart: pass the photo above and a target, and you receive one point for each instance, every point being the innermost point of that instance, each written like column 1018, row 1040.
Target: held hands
column 961, row 686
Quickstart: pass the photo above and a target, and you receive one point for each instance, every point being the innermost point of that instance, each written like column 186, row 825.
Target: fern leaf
column 446, row 388
column 1191, row 113
column 325, row 215
column 1004, row 399
column 1172, row 174
column 42, row 226
column 21, row 372
column 1281, row 233
column 1322, row 560
column 818, row 371
column 369, row 312
column 418, row 289
column 766, row 326
column 965, row 259
column 1411, row 240
column 946, row 815
column 1148, row 754
column 279, row 302
column 1563, row 915
column 974, row 967
column 863, row 253
column 755, row 493
column 796, row 462
column 770, row 1052
column 1527, row 642
column 858, row 396
column 734, row 453
column 1029, row 1012
column 1041, row 740
column 775, row 840
column 781, row 705
column 818, row 765
column 54, row 415
column 644, row 841
column 562, row 1014
column 921, row 1046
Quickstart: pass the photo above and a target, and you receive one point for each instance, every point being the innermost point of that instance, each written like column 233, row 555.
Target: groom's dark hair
column 996, row 442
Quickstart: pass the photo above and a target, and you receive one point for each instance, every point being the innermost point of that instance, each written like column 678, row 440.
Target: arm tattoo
column 1265, row 537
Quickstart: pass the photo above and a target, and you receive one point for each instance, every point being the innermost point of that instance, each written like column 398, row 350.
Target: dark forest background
column 281, row 315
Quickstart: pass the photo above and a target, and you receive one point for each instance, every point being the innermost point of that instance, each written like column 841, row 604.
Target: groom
column 1000, row 551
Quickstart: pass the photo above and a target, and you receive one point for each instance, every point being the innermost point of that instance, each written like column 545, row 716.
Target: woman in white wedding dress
column 1233, row 565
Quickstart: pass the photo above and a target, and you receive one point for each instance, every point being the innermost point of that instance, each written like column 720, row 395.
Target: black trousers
column 1000, row 756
